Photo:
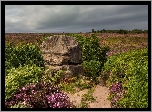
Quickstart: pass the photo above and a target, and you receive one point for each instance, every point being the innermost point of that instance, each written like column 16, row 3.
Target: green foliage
column 83, row 105
column 22, row 55
column 82, row 84
column 9, row 55
column 21, row 76
column 92, row 67
column 21, row 105
column 57, row 76
column 43, row 38
column 88, row 96
column 65, row 84
column 130, row 68
column 53, row 78
column 93, row 55
column 77, row 83
column 69, row 88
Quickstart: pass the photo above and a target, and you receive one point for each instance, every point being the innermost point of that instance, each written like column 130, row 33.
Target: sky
column 74, row 18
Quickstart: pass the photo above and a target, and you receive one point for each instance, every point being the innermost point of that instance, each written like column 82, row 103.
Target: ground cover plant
column 128, row 79
column 122, row 43
column 22, row 55
column 20, row 38
column 21, row 76
column 76, row 85
column 88, row 96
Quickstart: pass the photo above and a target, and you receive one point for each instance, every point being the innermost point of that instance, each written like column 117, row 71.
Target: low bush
column 131, row 70
column 21, row 76
column 22, row 55
column 53, row 78
column 92, row 68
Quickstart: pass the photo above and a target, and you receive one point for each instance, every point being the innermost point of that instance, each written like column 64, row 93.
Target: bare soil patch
column 100, row 94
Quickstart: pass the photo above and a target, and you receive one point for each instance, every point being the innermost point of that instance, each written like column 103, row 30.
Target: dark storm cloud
column 71, row 18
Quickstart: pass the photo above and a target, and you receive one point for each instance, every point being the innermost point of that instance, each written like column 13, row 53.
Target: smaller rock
column 69, row 70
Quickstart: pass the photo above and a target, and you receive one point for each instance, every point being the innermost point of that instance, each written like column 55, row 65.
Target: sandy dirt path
column 100, row 94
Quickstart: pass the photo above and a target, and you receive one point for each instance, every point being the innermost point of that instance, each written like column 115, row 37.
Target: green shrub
column 21, row 76
column 53, row 79
column 130, row 68
column 89, row 96
column 9, row 55
column 93, row 54
column 92, row 67
column 22, row 55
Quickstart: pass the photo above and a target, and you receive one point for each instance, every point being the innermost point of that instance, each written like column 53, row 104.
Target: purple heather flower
column 116, row 88
column 23, row 88
column 53, row 96
column 18, row 96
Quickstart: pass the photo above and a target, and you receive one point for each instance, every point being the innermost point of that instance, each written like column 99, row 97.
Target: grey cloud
column 74, row 18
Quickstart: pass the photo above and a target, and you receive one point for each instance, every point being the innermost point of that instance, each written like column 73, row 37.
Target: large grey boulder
column 62, row 53
column 61, row 50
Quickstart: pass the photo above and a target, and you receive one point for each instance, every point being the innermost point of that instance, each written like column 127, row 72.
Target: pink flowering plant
column 40, row 95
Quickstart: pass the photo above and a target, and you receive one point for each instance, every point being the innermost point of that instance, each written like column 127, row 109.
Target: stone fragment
column 69, row 70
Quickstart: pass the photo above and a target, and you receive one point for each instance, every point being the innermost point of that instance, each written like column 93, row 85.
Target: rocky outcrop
column 63, row 53
column 60, row 50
